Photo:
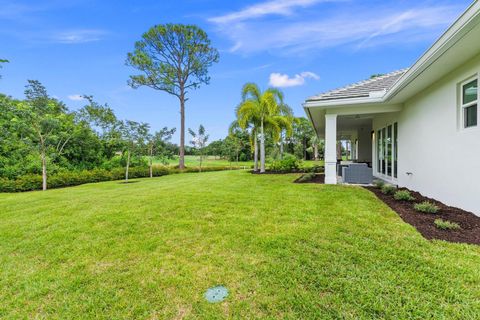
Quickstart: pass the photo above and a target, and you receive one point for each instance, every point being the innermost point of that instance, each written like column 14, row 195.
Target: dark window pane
column 470, row 92
column 389, row 151
column 384, row 139
column 379, row 151
column 395, row 154
column 471, row 116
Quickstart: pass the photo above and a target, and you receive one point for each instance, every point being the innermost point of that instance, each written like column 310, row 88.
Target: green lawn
column 211, row 161
column 149, row 250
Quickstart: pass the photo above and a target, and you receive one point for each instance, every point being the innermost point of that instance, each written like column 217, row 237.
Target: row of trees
column 265, row 116
column 262, row 112
column 40, row 135
column 173, row 58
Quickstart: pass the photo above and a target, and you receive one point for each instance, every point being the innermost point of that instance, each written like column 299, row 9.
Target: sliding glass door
column 387, row 151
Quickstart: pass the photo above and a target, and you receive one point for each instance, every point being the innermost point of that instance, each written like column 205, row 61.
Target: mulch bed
column 276, row 172
column 319, row 178
column 424, row 222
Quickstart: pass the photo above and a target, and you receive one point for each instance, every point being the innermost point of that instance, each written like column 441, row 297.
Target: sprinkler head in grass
column 216, row 294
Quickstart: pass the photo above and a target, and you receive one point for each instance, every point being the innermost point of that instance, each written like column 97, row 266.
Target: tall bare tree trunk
column 201, row 161
column 151, row 168
column 262, row 150
column 255, row 154
column 315, row 151
column 281, row 147
column 304, row 149
column 151, row 162
column 128, row 166
column 44, row 170
column 181, row 163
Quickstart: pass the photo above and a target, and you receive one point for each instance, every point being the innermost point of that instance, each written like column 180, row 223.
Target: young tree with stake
column 134, row 135
column 199, row 141
column 156, row 146
column 46, row 121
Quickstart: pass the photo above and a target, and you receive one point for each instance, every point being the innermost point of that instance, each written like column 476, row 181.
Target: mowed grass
column 209, row 161
column 149, row 250
column 212, row 161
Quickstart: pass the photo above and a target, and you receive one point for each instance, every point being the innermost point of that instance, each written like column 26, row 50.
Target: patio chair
column 357, row 173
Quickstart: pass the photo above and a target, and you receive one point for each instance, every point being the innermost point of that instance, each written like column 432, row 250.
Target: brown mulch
column 424, row 222
column 319, row 178
column 275, row 172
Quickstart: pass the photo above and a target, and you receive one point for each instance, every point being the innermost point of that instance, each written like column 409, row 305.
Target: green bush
column 403, row 195
column 73, row 178
column 426, row 207
column 378, row 184
column 446, row 225
column 289, row 163
column 307, row 177
column 314, row 169
column 388, row 189
column 28, row 182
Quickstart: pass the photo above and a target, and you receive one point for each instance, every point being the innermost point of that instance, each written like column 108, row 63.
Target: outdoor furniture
column 342, row 164
column 357, row 173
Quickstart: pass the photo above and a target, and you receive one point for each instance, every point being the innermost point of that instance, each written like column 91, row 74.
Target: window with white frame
column 470, row 103
column 387, row 151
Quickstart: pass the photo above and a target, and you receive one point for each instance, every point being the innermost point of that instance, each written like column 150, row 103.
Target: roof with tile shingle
column 362, row 89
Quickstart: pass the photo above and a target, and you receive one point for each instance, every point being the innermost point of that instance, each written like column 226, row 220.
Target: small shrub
column 446, row 225
column 307, row 177
column 314, row 169
column 426, row 207
column 403, row 195
column 389, row 189
column 289, row 163
column 378, row 184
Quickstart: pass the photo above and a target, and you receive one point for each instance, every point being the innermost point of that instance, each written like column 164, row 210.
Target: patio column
column 330, row 149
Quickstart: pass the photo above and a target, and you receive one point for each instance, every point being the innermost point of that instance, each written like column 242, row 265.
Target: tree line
column 40, row 135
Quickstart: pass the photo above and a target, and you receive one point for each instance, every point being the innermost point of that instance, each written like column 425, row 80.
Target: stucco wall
column 364, row 144
column 443, row 157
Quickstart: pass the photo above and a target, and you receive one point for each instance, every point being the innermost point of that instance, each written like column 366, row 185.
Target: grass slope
column 211, row 161
column 149, row 250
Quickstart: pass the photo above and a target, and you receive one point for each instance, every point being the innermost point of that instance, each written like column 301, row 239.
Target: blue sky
column 77, row 47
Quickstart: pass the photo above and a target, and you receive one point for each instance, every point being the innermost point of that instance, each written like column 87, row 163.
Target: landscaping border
column 33, row 182
column 425, row 222
column 318, row 179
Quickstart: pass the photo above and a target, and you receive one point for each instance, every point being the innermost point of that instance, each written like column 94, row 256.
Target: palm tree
column 252, row 129
column 262, row 112
column 233, row 131
column 316, row 144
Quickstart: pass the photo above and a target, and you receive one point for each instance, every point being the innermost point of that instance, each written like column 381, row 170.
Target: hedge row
column 75, row 178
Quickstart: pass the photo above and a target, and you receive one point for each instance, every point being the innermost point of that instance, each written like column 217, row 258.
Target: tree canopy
column 174, row 58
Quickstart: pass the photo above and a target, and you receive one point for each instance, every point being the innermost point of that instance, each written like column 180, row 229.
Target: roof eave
column 467, row 21
column 341, row 102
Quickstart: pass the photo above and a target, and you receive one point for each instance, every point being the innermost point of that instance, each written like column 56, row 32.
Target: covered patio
column 348, row 114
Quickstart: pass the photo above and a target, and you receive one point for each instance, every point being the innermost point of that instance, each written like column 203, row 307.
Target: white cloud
column 76, row 97
column 356, row 26
column 78, row 36
column 283, row 80
column 278, row 7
